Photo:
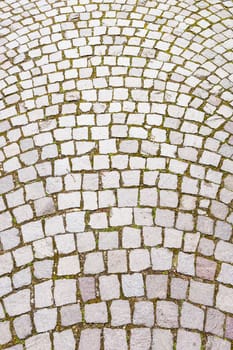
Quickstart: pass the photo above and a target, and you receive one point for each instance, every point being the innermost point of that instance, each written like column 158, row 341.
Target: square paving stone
column 65, row 243
column 108, row 240
column 120, row 313
column 5, row 285
column 18, row 303
column 167, row 314
column 87, row 288
column 75, row 222
column 143, row 216
column 117, row 261
column 143, row 313
column 229, row 328
column 178, row 288
column 96, row 313
column 121, row 217
column 43, row 248
column 201, row 293
column 64, row 340
column 205, row 268
column 32, row 231
column 5, row 333
column 131, row 237
column 214, row 322
column 224, row 299
column 185, row 264
column 54, row 225
column 173, row 238
column 197, row 320
column 139, row 260
column 133, row 285
column 38, row 342
column 43, row 269
column 65, row 291
column 140, row 339
column 188, row 340
column 70, row 315
column 68, row 265
column 23, row 326
column 6, row 263
column 23, row 255
column 115, row 339
column 152, row 236
column 109, row 287
column 43, row 294
column 156, row 286
column 161, row 258
column 90, row 339
column 94, row 263
column 85, row 241
column 98, row 221
column 45, row 319
column 162, row 339
column 215, row 343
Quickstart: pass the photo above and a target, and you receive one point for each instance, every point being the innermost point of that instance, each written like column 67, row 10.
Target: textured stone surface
column 162, row 338
column 188, row 340
column 194, row 322
column 90, row 338
column 167, row 314
column 140, row 339
column 116, row 175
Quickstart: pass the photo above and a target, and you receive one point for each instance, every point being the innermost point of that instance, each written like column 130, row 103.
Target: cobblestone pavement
column 116, row 175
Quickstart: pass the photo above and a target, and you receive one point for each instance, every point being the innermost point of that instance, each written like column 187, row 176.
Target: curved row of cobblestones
column 116, row 175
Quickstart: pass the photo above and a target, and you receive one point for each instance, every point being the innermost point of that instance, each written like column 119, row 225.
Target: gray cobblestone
column 120, row 313
column 96, row 313
column 38, row 342
column 43, row 269
column 161, row 258
column 216, row 343
column 215, row 322
column 162, row 338
column 140, row 339
column 139, row 259
column 90, row 338
column 201, row 293
column 22, row 278
column 70, row 315
column 87, row 288
column 156, row 286
column 117, row 261
column 65, row 292
column 64, row 340
column 167, row 314
column 109, row 287
column 68, row 265
column 188, row 340
column 5, row 334
column 143, row 313
column 43, row 294
column 45, row 319
column 197, row 320
column 186, row 263
column 114, row 338
column 6, row 263
column 18, row 303
column 133, row 285
column 94, row 263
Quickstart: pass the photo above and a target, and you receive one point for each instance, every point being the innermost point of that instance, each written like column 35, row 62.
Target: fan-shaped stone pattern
column 116, row 184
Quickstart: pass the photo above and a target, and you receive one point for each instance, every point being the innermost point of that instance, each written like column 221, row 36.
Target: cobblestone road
column 116, row 186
